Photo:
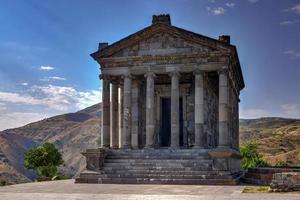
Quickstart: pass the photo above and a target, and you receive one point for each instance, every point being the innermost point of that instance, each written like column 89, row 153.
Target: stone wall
column 285, row 182
column 233, row 118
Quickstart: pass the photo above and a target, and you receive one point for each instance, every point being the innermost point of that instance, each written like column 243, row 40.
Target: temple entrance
column 165, row 126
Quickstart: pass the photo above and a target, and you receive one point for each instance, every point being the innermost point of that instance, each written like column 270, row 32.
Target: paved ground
column 63, row 190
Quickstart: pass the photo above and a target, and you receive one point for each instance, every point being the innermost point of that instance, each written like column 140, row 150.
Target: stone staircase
column 158, row 167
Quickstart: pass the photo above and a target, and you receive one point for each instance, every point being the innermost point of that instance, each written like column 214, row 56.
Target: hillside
column 71, row 133
column 278, row 139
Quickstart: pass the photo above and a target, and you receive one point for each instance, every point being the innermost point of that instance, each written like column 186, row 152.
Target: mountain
column 278, row 139
column 71, row 133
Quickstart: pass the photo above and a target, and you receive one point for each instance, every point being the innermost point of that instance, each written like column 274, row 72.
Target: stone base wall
column 264, row 175
column 285, row 182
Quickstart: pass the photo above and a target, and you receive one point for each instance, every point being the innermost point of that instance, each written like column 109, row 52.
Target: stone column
column 126, row 138
column 150, row 118
column 223, row 109
column 199, row 110
column 115, row 116
column 105, row 138
column 175, row 109
column 135, row 114
column 121, row 115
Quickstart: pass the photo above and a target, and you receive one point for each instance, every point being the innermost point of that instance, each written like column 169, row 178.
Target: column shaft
column 121, row 116
column 223, row 109
column 135, row 114
column 126, row 142
column 199, row 110
column 105, row 138
column 150, row 126
column 174, row 110
column 115, row 116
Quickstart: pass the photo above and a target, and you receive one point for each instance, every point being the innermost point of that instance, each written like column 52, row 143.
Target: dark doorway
column 165, row 127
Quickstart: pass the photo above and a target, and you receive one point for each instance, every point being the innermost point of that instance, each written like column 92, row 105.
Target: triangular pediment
column 161, row 39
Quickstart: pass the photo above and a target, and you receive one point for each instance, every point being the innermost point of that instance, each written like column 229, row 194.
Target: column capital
column 150, row 74
column 198, row 71
column 126, row 76
column 174, row 73
column 223, row 71
column 104, row 77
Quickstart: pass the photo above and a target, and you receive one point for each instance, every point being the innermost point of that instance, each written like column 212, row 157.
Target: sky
column 45, row 67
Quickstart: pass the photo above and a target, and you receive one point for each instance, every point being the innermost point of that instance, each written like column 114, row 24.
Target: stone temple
column 170, row 109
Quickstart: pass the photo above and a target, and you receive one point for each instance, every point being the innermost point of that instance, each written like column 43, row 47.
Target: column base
column 224, row 152
column 198, row 147
column 126, row 147
column 225, row 159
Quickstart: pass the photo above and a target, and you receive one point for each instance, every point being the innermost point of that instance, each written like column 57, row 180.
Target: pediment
column 161, row 40
column 162, row 43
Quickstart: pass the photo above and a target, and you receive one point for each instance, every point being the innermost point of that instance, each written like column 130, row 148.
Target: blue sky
column 45, row 67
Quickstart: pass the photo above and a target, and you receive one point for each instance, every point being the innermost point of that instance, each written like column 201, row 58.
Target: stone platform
column 156, row 166
column 67, row 190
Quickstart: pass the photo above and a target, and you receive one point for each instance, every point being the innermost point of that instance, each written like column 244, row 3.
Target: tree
column 45, row 159
column 251, row 157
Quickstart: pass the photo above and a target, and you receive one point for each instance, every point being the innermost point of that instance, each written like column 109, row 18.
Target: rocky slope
column 278, row 140
column 71, row 133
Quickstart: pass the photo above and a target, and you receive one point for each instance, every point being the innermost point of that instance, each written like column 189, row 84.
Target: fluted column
column 174, row 109
column 115, row 116
column 126, row 140
column 135, row 114
column 150, row 126
column 199, row 110
column 121, row 116
column 105, row 138
column 223, row 109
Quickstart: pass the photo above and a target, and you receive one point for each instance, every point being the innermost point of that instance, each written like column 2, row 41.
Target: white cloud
column 292, row 53
column 16, row 119
column 52, row 97
column 2, row 106
column 18, row 98
column 253, row 1
column 288, row 22
column 253, row 113
column 291, row 110
column 24, row 84
column 230, row 5
column 296, row 8
column 216, row 11
column 46, row 68
column 54, row 78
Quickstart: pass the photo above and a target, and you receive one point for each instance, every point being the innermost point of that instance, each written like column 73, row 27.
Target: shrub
column 250, row 156
column 281, row 164
column 44, row 159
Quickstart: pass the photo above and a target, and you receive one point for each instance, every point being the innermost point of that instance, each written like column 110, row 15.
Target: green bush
column 250, row 156
column 281, row 164
column 45, row 159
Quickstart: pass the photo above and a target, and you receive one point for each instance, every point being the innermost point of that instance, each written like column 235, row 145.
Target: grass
column 256, row 189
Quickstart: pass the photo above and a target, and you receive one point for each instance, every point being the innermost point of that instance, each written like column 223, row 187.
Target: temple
column 170, row 109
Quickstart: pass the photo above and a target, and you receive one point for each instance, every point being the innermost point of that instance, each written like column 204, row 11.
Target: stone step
column 164, row 176
column 165, row 168
column 163, row 172
column 158, row 157
column 159, row 164
column 162, row 163
column 166, row 181
column 153, row 160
